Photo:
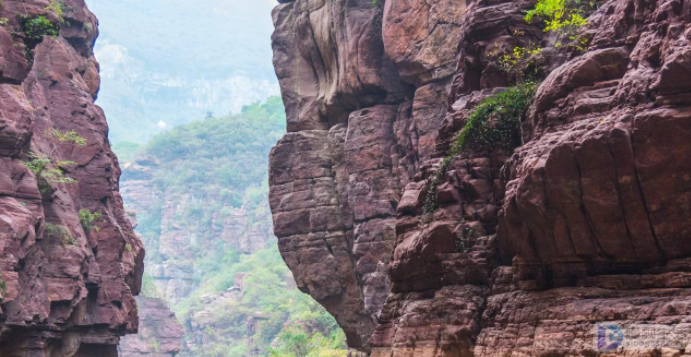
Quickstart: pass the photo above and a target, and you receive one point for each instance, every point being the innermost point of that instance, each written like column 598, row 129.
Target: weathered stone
column 525, row 253
column 160, row 334
column 68, row 289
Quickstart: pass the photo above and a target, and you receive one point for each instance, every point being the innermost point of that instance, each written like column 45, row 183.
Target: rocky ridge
column 68, row 284
column 527, row 252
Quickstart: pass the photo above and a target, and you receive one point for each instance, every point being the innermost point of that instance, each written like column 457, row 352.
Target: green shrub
column 560, row 15
column 57, row 8
column 48, row 171
column 565, row 18
column 60, row 232
column 36, row 27
column 493, row 124
column 87, row 219
column 68, row 137
column 522, row 62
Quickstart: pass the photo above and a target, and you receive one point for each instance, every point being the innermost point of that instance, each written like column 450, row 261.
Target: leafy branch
column 565, row 18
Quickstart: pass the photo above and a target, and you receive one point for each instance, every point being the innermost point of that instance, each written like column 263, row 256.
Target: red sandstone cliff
column 68, row 285
column 160, row 334
column 584, row 223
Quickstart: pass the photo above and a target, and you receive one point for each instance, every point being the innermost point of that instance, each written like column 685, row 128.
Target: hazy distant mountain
column 167, row 62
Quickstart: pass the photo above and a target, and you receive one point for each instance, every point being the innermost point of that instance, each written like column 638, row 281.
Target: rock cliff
column 160, row 334
column 525, row 251
column 70, row 263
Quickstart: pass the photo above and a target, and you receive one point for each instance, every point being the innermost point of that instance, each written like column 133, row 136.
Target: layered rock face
column 160, row 334
column 68, row 286
column 527, row 251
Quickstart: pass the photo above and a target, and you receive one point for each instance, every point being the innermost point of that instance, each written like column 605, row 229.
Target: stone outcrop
column 67, row 286
column 528, row 251
column 160, row 334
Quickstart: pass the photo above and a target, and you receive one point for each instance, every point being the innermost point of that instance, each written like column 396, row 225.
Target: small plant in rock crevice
column 60, row 232
column 521, row 63
column 87, row 219
column 57, row 7
column 49, row 170
column 67, row 137
column 495, row 123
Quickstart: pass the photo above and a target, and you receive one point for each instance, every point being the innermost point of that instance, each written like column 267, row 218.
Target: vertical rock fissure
column 642, row 193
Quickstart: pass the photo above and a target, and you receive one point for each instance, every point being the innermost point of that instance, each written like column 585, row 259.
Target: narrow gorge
column 418, row 249
column 439, row 178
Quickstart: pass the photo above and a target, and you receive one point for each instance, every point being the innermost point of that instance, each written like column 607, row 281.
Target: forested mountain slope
column 199, row 193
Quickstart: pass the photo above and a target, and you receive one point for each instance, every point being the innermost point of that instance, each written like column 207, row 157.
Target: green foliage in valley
column 289, row 323
column 218, row 168
column 126, row 150
column 214, row 154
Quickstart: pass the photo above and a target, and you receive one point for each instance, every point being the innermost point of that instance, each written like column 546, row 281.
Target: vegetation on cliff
column 494, row 124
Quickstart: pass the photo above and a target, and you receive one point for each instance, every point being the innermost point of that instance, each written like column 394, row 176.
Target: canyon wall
column 67, row 284
column 526, row 251
column 160, row 334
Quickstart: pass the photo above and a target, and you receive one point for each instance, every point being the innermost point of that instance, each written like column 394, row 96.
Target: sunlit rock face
column 584, row 223
column 67, row 287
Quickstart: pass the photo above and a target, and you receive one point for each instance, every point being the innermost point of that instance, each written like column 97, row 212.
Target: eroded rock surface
column 67, row 287
column 587, row 222
column 160, row 334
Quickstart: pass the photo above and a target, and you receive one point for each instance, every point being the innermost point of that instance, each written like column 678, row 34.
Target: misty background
column 168, row 62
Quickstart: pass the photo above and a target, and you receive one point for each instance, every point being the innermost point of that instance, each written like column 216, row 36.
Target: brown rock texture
column 160, row 334
column 586, row 222
column 69, row 293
